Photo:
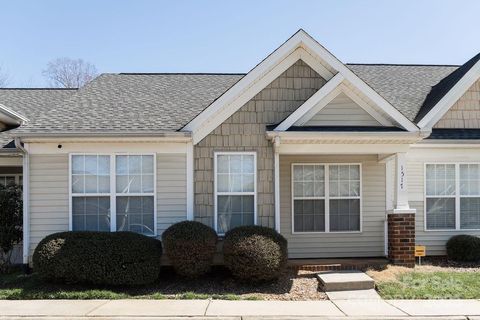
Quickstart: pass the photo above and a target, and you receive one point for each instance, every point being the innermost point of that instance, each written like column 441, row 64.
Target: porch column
column 401, row 193
column 401, row 220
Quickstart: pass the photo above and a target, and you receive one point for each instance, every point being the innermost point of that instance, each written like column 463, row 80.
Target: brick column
column 401, row 239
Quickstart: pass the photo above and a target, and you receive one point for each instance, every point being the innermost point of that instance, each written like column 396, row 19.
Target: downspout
column 26, row 196
column 276, row 147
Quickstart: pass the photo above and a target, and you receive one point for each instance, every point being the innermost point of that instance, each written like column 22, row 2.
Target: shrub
column 190, row 247
column 255, row 253
column 11, row 220
column 101, row 258
column 464, row 248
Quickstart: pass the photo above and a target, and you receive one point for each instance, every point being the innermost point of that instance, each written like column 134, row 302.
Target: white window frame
column 216, row 193
column 16, row 176
column 456, row 196
column 113, row 188
column 326, row 197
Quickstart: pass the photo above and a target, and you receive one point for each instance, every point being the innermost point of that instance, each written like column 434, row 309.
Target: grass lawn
column 18, row 286
column 428, row 283
column 216, row 285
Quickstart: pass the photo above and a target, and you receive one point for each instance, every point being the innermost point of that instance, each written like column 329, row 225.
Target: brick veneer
column 401, row 239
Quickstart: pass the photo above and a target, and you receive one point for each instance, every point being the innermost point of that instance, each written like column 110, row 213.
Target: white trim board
column 455, row 93
column 299, row 46
column 9, row 116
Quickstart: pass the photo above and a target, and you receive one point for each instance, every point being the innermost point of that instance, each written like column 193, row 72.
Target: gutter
column 26, row 203
column 144, row 134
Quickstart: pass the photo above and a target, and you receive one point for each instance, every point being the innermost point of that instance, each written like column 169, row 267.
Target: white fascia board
column 9, row 116
column 269, row 69
column 252, row 76
column 323, row 94
column 257, row 79
column 458, row 90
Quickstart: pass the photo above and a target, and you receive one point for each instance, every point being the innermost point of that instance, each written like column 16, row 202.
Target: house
column 344, row 160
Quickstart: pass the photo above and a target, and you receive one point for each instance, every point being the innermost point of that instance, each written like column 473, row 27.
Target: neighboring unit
column 344, row 160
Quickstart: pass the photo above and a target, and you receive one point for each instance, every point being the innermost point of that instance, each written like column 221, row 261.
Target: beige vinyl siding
column 49, row 211
column 49, row 196
column 171, row 190
column 368, row 243
column 342, row 111
column 435, row 241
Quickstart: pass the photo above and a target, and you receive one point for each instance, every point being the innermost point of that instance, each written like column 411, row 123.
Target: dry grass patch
column 430, row 281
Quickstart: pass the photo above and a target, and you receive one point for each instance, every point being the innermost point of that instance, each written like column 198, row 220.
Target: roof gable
column 447, row 92
column 340, row 111
column 299, row 46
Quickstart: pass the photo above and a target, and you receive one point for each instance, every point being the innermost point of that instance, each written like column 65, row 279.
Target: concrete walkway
column 234, row 310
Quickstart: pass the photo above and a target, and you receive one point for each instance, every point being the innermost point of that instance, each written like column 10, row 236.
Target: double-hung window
column 326, row 197
column 113, row 193
column 235, row 190
column 452, row 196
column 8, row 179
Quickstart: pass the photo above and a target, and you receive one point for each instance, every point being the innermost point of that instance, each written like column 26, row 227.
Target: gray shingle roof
column 444, row 86
column 159, row 103
column 133, row 103
column 404, row 86
column 30, row 103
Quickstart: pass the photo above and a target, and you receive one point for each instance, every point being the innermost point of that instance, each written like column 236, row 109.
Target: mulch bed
column 292, row 285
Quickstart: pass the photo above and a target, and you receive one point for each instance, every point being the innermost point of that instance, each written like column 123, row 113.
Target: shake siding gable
column 245, row 131
column 465, row 113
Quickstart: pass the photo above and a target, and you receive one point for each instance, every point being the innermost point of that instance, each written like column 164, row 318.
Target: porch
column 336, row 195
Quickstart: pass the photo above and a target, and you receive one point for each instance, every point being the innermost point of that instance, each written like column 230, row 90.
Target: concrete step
column 345, row 280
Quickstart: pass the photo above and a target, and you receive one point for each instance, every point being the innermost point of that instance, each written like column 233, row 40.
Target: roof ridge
column 403, row 64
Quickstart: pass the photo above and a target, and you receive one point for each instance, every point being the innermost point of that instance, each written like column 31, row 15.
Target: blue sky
column 228, row 36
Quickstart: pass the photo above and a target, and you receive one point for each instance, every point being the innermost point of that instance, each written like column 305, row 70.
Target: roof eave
column 107, row 136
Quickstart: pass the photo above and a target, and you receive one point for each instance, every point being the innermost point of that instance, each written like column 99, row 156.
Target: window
column 452, row 196
column 309, row 198
column 135, row 193
column 7, row 179
column 113, row 193
column 90, row 193
column 235, row 190
column 344, row 197
column 326, row 197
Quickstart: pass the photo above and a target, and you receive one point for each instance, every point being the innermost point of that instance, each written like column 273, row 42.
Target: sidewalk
column 234, row 310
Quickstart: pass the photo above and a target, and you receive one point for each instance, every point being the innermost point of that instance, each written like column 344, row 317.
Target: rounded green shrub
column 255, row 253
column 464, row 248
column 190, row 247
column 100, row 258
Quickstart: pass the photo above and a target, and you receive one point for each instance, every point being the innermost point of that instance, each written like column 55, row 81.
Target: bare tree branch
column 69, row 73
